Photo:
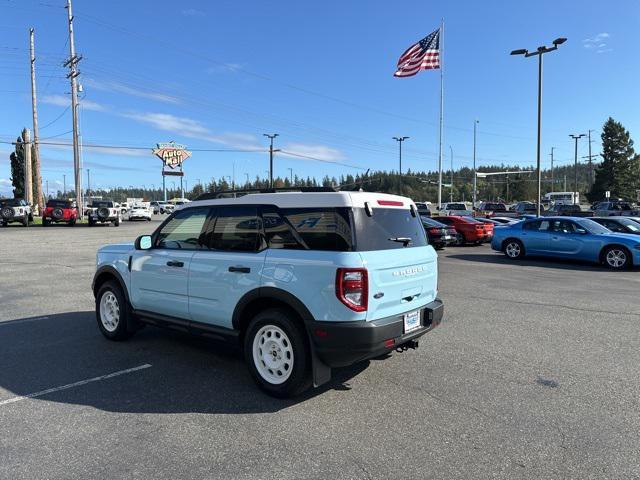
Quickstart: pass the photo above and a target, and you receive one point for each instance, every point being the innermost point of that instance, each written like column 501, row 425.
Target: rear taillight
column 352, row 288
column 434, row 231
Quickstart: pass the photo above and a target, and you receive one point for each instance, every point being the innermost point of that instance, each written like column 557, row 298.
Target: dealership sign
column 171, row 154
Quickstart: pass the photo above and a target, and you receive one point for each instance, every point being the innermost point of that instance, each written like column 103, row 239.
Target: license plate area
column 411, row 321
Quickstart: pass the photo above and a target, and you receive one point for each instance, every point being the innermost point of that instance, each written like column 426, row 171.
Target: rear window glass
column 102, row 204
column 59, row 203
column 13, row 202
column 386, row 229
column 322, row 228
column 456, row 206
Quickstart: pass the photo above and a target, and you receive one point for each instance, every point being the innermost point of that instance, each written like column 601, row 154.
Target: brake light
column 390, row 203
column 434, row 230
column 352, row 288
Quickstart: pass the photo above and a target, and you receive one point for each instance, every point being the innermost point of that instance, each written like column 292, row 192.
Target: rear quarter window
column 322, row 228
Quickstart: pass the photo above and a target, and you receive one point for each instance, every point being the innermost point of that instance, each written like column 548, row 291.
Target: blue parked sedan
column 568, row 237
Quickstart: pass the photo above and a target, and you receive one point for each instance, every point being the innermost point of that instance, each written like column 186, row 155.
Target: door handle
column 240, row 269
column 175, row 263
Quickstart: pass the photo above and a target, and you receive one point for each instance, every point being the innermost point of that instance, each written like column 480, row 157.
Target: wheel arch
column 106, row 273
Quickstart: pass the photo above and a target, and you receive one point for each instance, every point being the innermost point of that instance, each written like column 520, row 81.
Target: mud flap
column 321, row 371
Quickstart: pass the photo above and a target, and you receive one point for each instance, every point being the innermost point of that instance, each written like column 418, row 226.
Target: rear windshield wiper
column 404, row 240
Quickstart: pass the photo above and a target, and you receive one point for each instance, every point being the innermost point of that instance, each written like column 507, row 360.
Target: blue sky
column 217, row 75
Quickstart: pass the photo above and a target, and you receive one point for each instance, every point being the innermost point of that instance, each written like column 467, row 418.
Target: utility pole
column 400, row 140
column 28, row 174
column 590, row 164
column 539, row 53
column 64, row 185
column 271, row 137
column 451, row 195
column 72, row 63
column 575, row 165
column 552, row 182
column 290, row 176
column 475, row 178
column 88, row 183
column 34, row 110
column 565, row 183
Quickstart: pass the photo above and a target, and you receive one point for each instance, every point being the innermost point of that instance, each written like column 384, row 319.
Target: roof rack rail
column 246, row 191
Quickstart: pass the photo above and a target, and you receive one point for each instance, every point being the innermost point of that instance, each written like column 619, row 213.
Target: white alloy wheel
column 513, row 249
column 273, row 354
column 109, row 311
column 616, row 258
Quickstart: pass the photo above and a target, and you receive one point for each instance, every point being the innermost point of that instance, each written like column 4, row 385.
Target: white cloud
column 225, row 68
column 112, row 86
column 597, row 42
column 62, row 101
column 5, row 182
column 321, row 152
column 126, row 152
column 192, row 12
column 171, row 123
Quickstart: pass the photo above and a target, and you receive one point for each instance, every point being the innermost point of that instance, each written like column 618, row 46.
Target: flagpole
column 441, row 113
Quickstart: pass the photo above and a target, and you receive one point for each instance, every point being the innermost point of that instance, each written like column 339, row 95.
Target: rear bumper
column 344, row 343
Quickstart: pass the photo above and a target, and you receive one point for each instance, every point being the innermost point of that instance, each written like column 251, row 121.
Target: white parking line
column 73, row 385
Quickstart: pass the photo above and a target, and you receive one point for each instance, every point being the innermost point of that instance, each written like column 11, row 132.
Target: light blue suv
column 302, row 281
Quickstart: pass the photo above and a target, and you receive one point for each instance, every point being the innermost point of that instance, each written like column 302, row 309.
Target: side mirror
column 581, row 231
column 143, row 242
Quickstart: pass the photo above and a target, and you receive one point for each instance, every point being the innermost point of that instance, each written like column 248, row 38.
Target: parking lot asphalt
column 533, row 374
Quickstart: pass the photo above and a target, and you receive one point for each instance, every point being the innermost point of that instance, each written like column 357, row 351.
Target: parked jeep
column 104, row 211
column 302, row 281
column 15, row 210
column 60, row 211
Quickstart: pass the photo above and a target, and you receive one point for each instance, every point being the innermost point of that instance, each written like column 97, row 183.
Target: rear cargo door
column 402, row 267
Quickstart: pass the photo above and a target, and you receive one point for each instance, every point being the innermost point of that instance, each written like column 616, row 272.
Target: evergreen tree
column 17, row 169
column 619, row 171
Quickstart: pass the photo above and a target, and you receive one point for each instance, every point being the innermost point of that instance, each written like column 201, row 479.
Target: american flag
column 424, row 55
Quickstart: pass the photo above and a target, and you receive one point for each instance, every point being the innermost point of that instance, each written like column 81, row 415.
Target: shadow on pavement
column 188, row 374
column 557, row 263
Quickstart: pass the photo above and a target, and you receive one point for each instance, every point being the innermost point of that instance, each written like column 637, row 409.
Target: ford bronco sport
column 15, row 210
column 303, row 281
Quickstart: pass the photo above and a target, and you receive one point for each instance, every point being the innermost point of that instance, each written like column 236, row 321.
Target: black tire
column 460, row 240
column 299, row 378
column 46, row 222
column 513, row 248
column 72, row 223
column 91, row 222
column 125, row 325
column 117, row 222
column 616, row 257
column 25, row 220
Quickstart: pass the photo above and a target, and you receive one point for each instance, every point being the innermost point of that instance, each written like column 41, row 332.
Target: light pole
column 271, row 137
column 539, row 52
column 400, row 140
column 247, row 184
column 575, row 165
column 451, row 195
column 64, row 185
column 290, row 176
column 475, row 177
column 553, row 189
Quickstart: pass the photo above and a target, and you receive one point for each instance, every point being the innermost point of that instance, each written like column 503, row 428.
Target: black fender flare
column 321, row 372
column 111, row 271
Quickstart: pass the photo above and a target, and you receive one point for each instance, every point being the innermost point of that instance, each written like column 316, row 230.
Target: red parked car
column 469, row 230
column 60, row 211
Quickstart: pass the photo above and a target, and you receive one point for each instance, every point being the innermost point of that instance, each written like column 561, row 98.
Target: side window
column 535, row 225
column 237, row 229
column 277, row 232
column 614, row 226
column 322, row 228
column 183, row 230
